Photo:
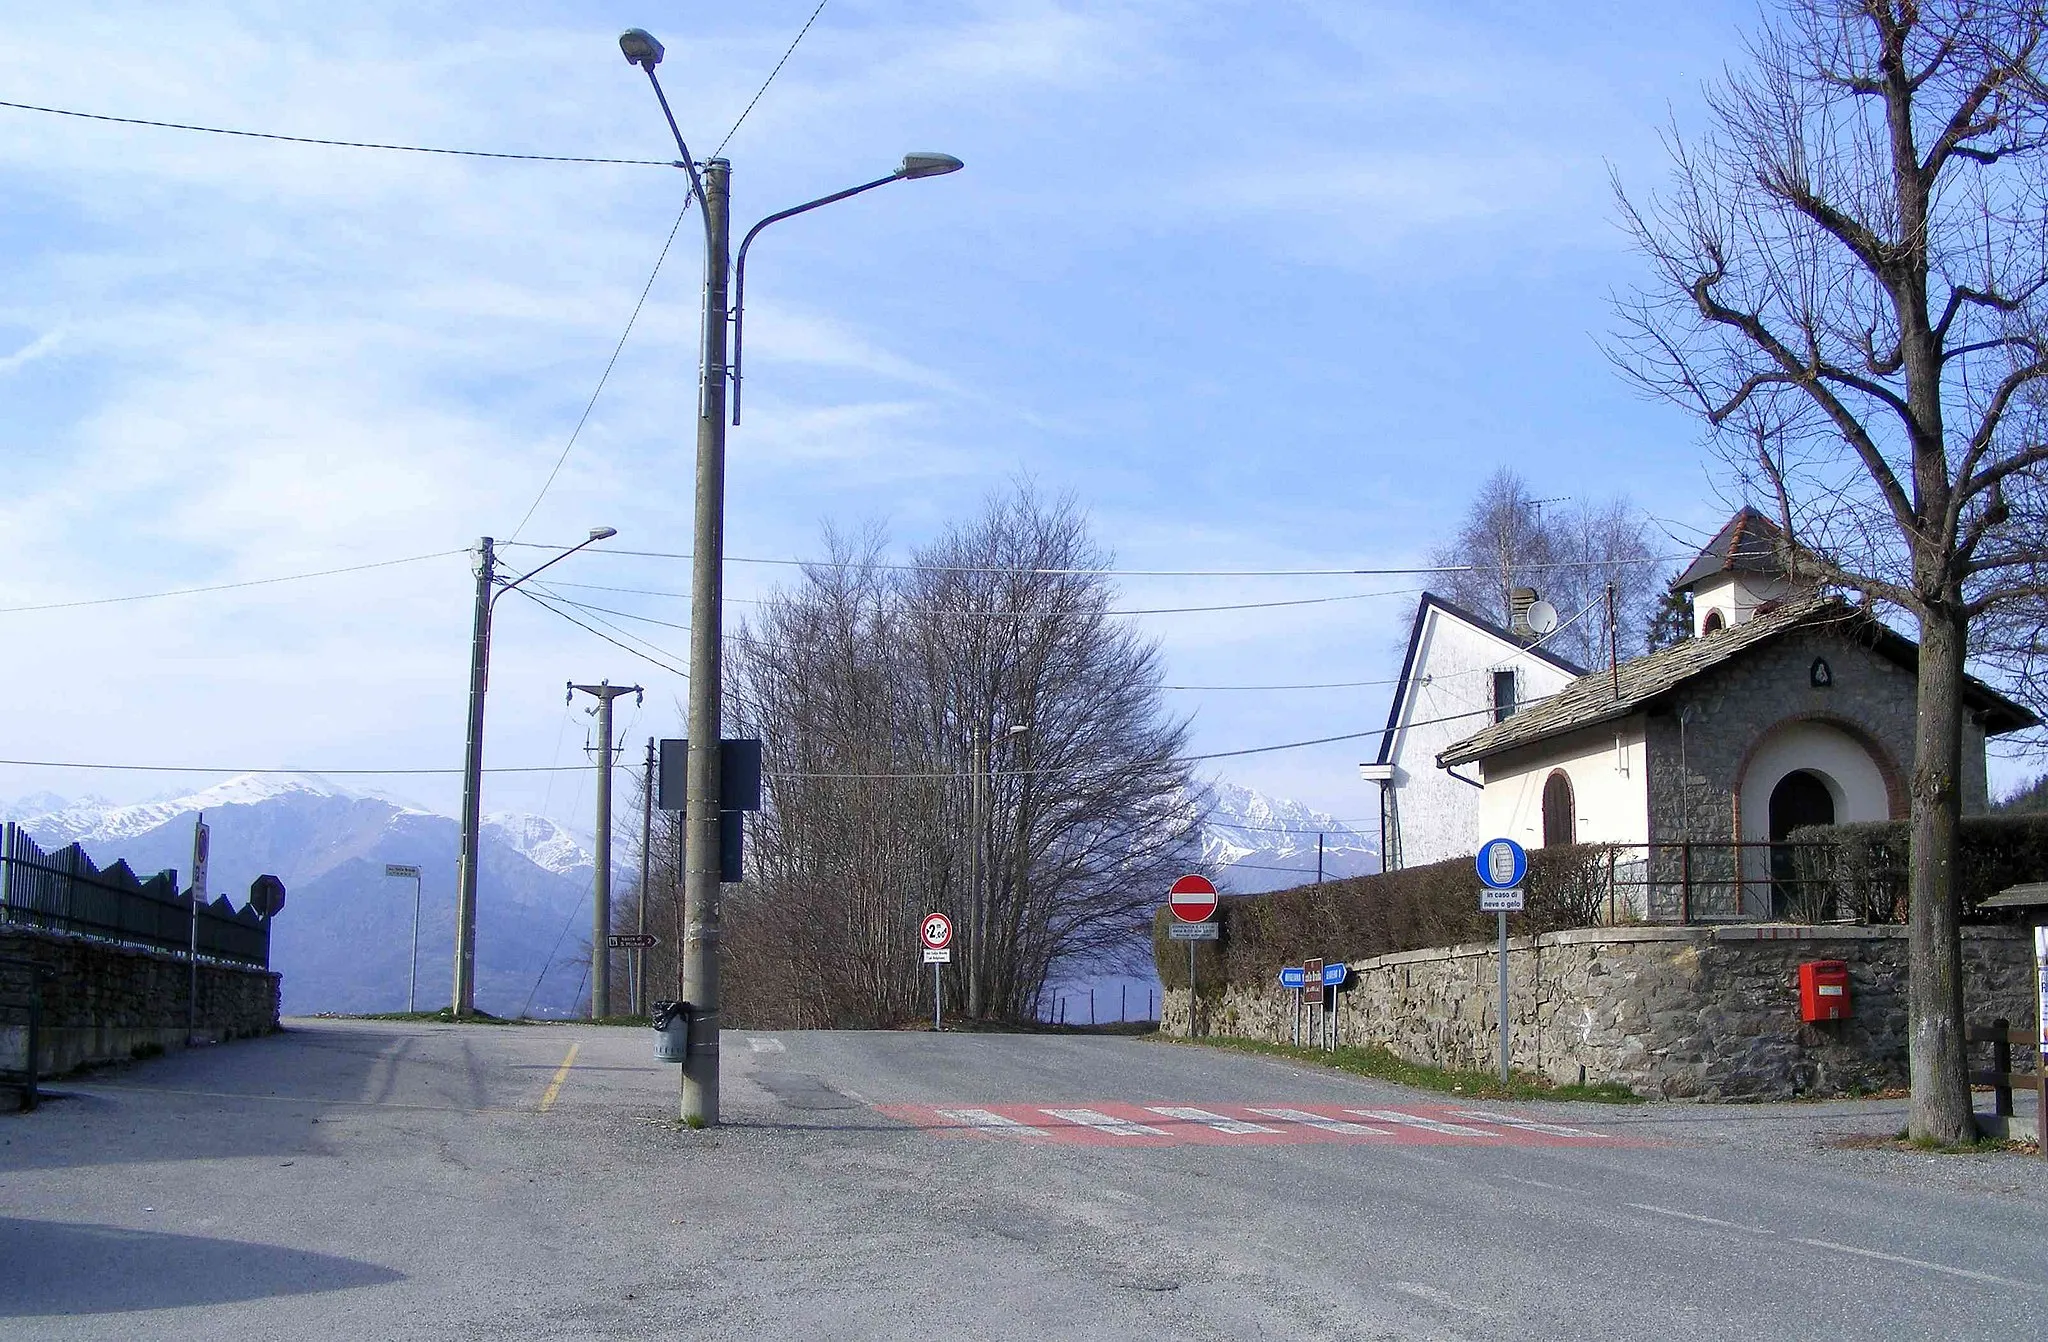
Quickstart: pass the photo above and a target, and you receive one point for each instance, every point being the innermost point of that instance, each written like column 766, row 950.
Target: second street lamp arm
column 600, row 534
column 739, row 279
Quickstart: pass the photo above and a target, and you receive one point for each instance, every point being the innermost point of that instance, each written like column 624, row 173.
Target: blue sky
column 1265, row 286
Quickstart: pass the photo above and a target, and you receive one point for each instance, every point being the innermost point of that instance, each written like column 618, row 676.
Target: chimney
column 1519, row 601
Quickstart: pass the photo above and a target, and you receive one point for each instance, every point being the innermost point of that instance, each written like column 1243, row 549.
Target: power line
column 335, row 144
column 229, row 586
column 554, row 609
column 320, row 773
column 1390, row 572
column 790, row 51
column 1028, row 614
column 610, row 364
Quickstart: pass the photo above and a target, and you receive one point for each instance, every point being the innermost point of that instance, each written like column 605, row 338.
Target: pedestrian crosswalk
column 1116, row 1123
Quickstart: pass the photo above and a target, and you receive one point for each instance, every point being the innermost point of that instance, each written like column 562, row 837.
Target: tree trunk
column 1935, row 1021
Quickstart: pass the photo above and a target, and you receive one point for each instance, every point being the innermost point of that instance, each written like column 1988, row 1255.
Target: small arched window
column 1713, row 623
column 1560, row 811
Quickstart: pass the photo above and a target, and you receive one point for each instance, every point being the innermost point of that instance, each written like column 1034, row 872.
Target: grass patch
column 445, row 1016
column 1383, row 1065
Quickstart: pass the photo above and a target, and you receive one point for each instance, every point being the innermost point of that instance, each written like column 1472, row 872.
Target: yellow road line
column 547, row 1098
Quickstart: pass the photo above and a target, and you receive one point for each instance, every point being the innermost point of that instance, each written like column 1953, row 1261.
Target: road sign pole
column 1503, row 998
column 412, row 977
column 938, row 999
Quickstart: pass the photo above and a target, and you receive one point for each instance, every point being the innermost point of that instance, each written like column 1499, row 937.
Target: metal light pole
column 601, row 911
column 697, row 957
column 463, row 1000
column 412, row 975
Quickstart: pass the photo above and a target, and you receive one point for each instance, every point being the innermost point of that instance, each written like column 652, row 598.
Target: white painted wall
column 1735, row 595
column 1451, row 678
column 1852, row 776
column 1608, row 766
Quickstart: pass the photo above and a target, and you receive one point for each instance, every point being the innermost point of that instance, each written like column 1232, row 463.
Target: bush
column 1406, row 910
column 1860, row 871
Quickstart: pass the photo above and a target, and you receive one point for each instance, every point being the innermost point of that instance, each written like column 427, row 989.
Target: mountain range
column 344, row 940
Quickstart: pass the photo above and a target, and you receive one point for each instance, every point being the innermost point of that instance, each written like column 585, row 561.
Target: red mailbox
column 1823, row 990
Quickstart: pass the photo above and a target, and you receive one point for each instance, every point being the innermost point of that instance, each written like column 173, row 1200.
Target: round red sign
column 1192, row 899
column 937, row 931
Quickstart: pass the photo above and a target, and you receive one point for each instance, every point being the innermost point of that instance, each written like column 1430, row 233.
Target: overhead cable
column 1386, row 572
column 606, row 375
column 230, row 586
column 335, row 144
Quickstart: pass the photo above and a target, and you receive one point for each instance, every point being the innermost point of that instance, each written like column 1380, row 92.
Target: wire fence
column 65, row 892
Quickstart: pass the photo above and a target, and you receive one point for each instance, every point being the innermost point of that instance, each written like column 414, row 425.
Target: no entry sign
column 937, row 932
column 1192, row 899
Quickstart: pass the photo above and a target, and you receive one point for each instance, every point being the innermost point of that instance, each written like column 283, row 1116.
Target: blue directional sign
column 1502, row 863
column 1292, row 978
column 1334, row 972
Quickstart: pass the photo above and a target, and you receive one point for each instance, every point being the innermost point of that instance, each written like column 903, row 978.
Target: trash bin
column 671, row 1022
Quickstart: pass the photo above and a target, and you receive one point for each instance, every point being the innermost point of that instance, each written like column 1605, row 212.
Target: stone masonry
column 104, row 1003
column 1670, row 1012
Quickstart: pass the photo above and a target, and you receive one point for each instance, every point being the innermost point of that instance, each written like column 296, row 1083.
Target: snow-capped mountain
column 344, row 941
column 1260, row 843
column 540, row 841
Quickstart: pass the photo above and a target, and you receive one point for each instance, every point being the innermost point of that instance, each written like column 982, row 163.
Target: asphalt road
column 367, row 1180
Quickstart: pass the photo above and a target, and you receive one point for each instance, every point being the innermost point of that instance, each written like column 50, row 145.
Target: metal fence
column 65, row 892
column 1704, row 881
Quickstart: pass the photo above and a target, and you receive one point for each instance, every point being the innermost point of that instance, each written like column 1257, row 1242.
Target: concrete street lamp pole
column 698, row 955
column 463, row 1000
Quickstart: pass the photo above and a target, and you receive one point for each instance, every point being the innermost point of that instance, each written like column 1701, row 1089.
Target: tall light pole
column 697, row 957
column 488, row 590
column 412, row 975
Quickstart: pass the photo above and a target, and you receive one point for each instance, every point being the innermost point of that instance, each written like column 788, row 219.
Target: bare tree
column 1568, row 550
column 1848, row 275
column 870, row 686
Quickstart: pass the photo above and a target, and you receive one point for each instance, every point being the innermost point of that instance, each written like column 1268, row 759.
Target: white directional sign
column 1500, row 901
column 937, row 932
column 938, row 955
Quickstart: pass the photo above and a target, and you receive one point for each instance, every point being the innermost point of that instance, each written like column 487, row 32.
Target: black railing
column 65, row 892
column 1709, row 881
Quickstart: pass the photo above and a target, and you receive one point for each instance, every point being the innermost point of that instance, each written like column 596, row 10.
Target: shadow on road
column 55, row 1267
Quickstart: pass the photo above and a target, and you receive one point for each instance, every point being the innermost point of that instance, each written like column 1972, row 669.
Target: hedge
column 1855, row 872
column 1405, row 910
column 1860, row 871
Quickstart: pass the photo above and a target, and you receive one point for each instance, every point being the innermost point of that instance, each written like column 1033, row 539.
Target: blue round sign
column 1502, row 864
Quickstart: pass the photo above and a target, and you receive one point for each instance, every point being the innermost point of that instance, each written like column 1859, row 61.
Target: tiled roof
column 1748, row 544
column 1592, row 698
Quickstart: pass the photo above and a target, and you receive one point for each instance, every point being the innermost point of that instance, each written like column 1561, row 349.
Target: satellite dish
column 1542, row 617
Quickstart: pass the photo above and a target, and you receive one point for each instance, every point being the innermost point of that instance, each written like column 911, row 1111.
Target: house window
column 1503, row 695
column 1560, row 811
column 1714, row 623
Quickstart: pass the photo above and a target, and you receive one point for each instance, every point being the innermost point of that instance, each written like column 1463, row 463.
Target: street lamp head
column 928, row 165
column 640, row 48
column 1019, row 729
column 603, row 533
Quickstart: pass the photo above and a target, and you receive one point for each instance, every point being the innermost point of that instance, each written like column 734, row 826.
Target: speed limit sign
column 937, row 932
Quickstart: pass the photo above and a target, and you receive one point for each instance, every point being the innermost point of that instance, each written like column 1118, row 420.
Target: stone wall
column 103, row 1003
column 1704, row 1012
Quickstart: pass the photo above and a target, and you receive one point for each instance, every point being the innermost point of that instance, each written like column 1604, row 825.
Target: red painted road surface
column 1114, row 1123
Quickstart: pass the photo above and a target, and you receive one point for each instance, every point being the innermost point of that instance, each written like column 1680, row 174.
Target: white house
column 1786, row 709
column 1461, row 671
